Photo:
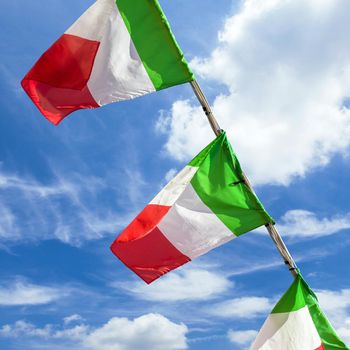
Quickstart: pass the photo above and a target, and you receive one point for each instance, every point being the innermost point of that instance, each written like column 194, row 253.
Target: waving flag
column 117, row 50
column 205, row 205
column 297, row 322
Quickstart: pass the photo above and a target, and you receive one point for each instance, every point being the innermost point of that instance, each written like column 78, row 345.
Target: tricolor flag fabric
column 298, row 323
column 117, row 50
column 205, row 205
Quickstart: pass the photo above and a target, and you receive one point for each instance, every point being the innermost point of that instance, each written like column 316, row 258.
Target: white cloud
column 8, row 226
column 23, row 293
column 286, row 68
column 336, row 304
column 242, row 308
column 250, row 267
column 151, row 331
column 344, row 330
column 25, row 185
column 303, row 223
column 170, row 174
column 78, row 333
column 242, row 337
column 65, row 209
column 187, row 284
column 23, row 328
column 134, row 182
column 72, row 318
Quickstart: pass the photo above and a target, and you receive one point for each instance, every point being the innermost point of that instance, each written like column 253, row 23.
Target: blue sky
column 278, row 76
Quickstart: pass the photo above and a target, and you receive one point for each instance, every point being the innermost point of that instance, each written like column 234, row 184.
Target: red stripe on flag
column 149, row 257
column 145, row 222
column 57, row 83
column 143, row 247
column 321, row 347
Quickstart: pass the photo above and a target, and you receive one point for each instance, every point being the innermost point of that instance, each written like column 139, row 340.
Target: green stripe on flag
column 299, row 295
column 219, row 184
column 155, row 43
column 292, row 300
column 328, row 335
column 200, row 157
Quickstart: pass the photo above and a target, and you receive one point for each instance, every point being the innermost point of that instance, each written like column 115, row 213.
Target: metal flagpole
column 274, row 234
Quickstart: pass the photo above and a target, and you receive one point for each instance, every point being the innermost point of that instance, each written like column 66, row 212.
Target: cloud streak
column 305, row 224
column 241, row 337
column 68, row 209
column 188, row 284
column 242, row 308
column 21, row 293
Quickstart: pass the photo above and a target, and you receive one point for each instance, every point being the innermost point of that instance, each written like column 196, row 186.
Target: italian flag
column 117, row 50
column 207, row 204
column 298, row 323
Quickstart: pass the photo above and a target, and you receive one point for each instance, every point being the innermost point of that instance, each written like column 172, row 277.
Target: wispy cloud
column 23, row 293
column 242, row 308
column 72, row 318
column 242, row 338
column 8, row 225
column 8, row 182
column 303, row 223
column 170, row 174
column 23, row 328
column 68, row 208
column 255, row 267
column 300, row 223
column 184, row 285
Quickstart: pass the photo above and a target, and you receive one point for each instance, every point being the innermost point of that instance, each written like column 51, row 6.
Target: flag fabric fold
column 206, row 205
column 117, row 50
column 298, row 323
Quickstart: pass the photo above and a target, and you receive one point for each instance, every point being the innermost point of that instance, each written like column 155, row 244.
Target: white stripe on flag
column 288, row 331
column 192, row 227
column 118, row 73
column 171, row 192
column 92, row 23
